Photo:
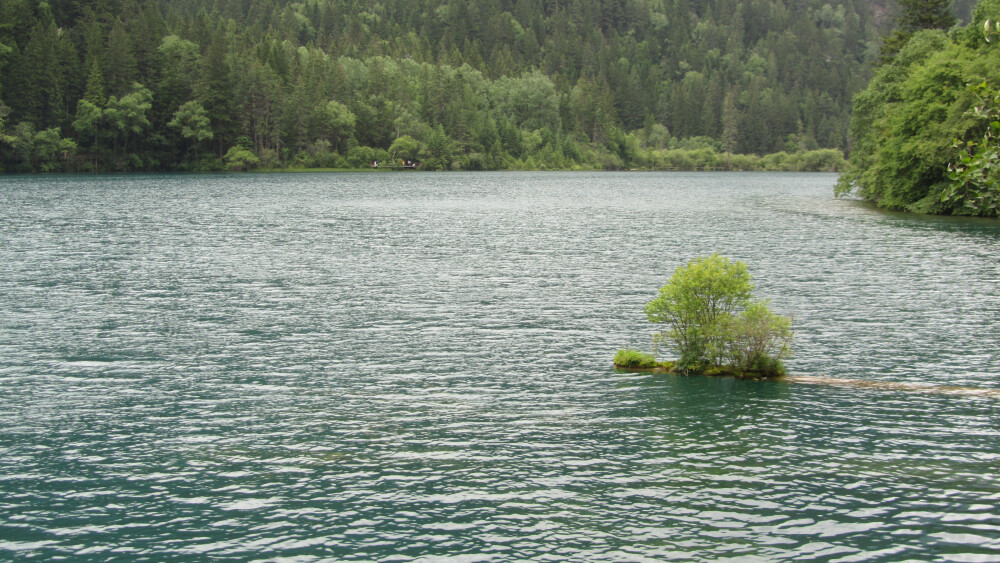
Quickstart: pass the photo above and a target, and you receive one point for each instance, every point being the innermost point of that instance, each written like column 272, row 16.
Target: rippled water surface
column 417, row 366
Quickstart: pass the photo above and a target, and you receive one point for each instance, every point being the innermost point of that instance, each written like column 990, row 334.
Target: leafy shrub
column 975, row 175
column 360, row 157
column 696, row 301
column 239, row 158
column 693, row 355
column 755, row 340
column 766, row 366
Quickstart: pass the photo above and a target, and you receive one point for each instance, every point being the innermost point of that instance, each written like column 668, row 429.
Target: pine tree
column 120, row 69
column 925, row 14
column 95, row 85
column 917, row 15
column 215, row 91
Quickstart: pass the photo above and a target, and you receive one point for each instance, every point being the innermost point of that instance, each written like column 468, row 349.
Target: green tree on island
column 713, row 321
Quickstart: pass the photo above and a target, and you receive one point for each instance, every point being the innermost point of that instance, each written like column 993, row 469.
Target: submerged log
column 894, row 386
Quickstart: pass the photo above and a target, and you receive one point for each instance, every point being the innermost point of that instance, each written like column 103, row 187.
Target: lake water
column 418, row 366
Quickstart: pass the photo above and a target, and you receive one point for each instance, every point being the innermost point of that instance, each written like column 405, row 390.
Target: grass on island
column 629, row 359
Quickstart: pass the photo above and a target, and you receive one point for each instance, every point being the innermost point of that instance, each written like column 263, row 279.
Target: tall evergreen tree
column 120, row 69
column 95, row 85
column 925, row 14
column 214, row 91
column 915, row 16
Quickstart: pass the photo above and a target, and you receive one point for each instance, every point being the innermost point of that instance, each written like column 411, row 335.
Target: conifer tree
column 925, row 14
column 916, row 15
column 120, row 69
column 215, row 92
column 95, row 85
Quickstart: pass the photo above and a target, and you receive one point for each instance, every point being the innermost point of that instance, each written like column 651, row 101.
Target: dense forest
column 474, row 84
column 927, row 127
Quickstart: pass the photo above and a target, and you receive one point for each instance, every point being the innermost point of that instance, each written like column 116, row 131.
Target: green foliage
column 120, row 66
column 193, row 122
column 51, row 151
column 926, row 14
column 437, row 153
column 37, row 151
column 531, row 101
column 131, row 110
column 712, row 319
column 239, row 158
column 628, row 358
column 755, row 340
column 126, row 118
column 95, row 85
column 89, row 125
column 695, row 302
column 22, row 140
column 404, row 148
column 336, row 122
column 4, row 112
column 821, row 160
column 361, row 157
column 975, row 174
column 906, row 123
column 916, row 15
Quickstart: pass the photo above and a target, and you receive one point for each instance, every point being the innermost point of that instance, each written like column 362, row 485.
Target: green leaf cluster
column 916, row 15
column 712, row 319
column 923, row 129
column 239, row 159
column 975, row 173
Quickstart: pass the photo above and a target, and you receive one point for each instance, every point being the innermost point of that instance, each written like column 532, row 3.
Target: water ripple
column 403, row 367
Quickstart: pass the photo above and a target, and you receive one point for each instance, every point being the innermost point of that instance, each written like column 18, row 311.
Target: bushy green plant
column 712, row 319
column 765, row 366
column 694, row 355
column 360, row 156
column 238, row 158
column 695, row 302
column 629, row 358
column 755, row 340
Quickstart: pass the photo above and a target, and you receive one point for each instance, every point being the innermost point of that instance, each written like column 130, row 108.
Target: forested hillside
column 194, row 84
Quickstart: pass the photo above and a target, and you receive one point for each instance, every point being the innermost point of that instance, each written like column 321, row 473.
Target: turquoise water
column 401, row 367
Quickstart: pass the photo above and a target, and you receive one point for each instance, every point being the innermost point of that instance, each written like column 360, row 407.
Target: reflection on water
column 408, row 366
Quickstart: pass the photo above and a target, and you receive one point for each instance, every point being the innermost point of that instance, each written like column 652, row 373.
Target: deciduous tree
column 695, row 303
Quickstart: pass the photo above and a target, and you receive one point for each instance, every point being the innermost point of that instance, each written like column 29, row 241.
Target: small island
column 714, row 324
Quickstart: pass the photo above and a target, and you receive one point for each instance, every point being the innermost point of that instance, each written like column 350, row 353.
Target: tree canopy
column 926, row 128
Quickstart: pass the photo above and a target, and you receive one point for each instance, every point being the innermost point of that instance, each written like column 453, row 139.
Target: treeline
column 201, row 84
column 927, row 128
